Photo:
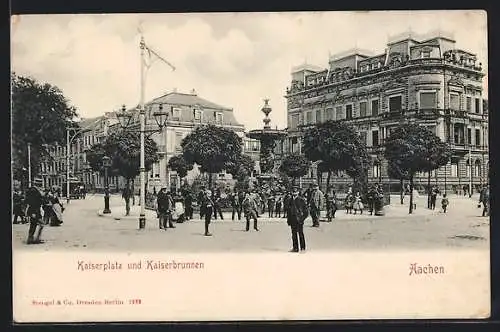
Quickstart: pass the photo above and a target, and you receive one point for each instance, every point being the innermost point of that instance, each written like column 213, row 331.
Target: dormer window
column 197, row 115
column 425, row 54
column 176, row 113
column 218, row 117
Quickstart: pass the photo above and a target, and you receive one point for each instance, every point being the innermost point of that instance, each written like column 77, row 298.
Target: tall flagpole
column 142, row 216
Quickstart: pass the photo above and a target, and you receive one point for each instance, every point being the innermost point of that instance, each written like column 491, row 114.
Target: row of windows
column 427, row 100
column 175, row 115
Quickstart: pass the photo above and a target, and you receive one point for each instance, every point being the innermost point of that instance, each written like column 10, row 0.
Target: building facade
column 426, row 80
column 53, row 166
column 185, row 112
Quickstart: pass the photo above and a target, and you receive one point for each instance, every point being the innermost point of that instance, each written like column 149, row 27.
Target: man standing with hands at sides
column 296, row 209
column 315, row 204
column 250, row 209
column 235, row 204
column 208, row 207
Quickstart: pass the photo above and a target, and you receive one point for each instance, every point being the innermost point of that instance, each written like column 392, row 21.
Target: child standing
column 444, row 203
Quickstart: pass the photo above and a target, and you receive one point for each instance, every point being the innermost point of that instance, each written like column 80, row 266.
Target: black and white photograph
column 303, row 146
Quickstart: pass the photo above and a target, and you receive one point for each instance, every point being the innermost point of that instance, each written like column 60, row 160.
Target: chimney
column 193, row 92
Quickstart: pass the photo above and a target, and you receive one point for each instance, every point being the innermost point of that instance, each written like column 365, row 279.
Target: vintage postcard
column 250, row 166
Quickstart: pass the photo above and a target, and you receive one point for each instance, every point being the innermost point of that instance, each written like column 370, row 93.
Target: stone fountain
column 267, row 137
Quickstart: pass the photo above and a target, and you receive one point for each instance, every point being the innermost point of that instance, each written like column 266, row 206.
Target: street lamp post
column 69, row 140
column 161, row 118
column 106, row 163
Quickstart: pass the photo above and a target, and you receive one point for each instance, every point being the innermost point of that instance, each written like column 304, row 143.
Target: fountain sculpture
column 267, row 137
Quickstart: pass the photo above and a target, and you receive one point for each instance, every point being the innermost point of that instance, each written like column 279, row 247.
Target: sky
column 233, row 59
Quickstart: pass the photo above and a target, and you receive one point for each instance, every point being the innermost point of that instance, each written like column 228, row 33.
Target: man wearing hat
column 315, row 204
column 296, row 214
column 34, row 203
column 208, row 207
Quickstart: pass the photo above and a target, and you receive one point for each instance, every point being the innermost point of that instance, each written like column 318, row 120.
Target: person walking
column 216, row 199
column 18, row 202
column 34, row 202
column 433, row 198
column 296, row 214
column 165, row 206
column 278, row 204
column 331, row 203
column 316, row 199
column 349, row 201
column 56, row 209
column 235, row 205
column 208, row 207
column 188, row 201
column 250, row 209
column 358, row 204
column 484, row 199
column 444, row 203
column 271, row 202
column 126, row 195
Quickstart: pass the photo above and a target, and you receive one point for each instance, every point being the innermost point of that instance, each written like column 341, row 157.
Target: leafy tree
column 124, row 148
column 40, row 116
column 339, row 148
column 295, row 166
column 241, row 167
column 409, row 149
column 211, row 147
column 180, row 165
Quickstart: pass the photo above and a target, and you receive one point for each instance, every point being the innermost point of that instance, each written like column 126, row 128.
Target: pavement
column 86, row 228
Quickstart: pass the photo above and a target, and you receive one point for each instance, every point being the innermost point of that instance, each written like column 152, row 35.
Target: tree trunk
column 402, row 194
column 410, row 209
column 328, row 179
column 210, row 178
column 319, row 176
column 429, row 189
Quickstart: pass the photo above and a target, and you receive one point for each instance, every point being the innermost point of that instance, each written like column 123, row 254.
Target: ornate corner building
column 425, row 80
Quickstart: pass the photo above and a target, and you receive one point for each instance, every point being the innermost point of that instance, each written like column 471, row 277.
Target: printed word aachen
column 425, row 269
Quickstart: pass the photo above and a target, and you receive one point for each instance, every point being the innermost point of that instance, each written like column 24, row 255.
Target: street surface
column 85, row 229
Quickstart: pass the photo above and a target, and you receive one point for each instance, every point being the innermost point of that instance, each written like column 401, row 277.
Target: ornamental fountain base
column 267, row 136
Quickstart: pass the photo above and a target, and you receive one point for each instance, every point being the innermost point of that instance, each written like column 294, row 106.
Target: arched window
column 467, row 167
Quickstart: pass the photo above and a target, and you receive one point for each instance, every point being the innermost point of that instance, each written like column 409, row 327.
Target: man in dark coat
column 296, row 214
column 165, row 206
column 18, row 207
column 235, row 205
column 188, row 201
column 250, row 208
column 127, row 193
column 208, row 206
column 216, row 199
column 34, row 202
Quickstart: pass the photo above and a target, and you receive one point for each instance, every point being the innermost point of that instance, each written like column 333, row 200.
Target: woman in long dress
column 56, row 208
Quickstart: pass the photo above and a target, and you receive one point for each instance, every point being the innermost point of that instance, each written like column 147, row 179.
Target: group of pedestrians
column 39, row 207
